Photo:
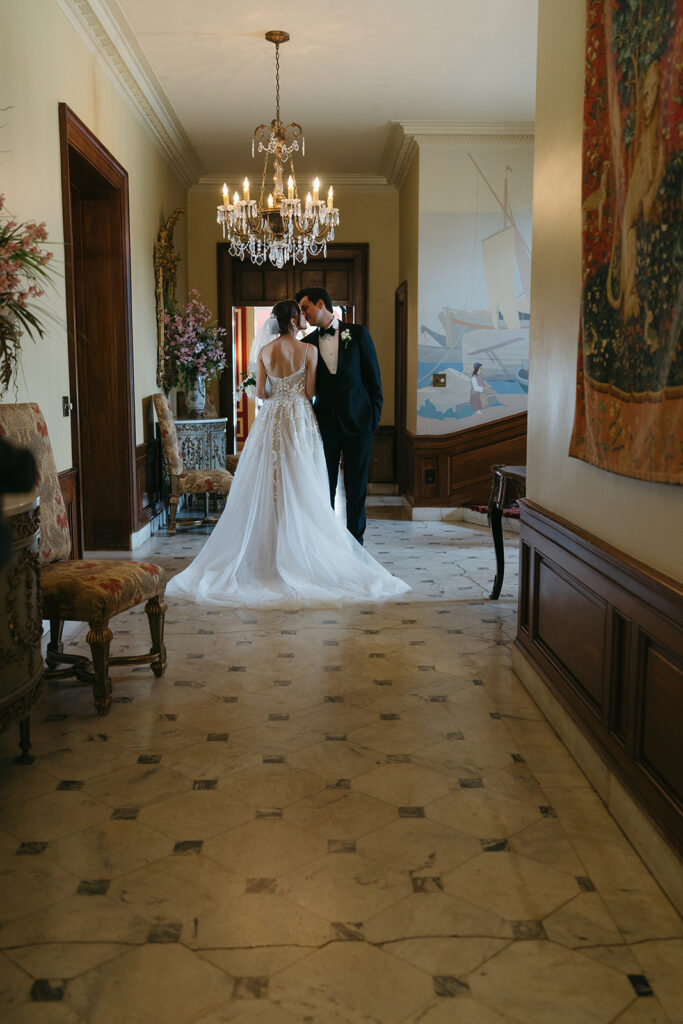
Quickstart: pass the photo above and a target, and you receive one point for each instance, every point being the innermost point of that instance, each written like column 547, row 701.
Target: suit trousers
column 356, row 453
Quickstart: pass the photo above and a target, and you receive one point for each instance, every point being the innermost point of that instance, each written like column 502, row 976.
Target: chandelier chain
column 277, row 81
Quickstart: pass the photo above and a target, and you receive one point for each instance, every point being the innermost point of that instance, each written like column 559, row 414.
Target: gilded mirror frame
column 166, row 261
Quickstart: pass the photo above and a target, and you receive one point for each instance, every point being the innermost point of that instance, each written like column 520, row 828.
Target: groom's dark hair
column 314, row 295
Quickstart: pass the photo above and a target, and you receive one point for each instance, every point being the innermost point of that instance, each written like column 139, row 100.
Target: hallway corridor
column 339, row 816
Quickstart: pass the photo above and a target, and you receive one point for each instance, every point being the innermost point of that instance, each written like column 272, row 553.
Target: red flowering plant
column 23, row 272
column 193, row 344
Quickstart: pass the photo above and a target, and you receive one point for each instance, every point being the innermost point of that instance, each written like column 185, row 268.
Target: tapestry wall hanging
column 629, row 404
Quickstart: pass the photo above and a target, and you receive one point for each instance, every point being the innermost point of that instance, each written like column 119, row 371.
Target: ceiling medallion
column 279, row 227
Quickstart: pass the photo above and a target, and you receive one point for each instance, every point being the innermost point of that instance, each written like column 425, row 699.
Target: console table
column 202, row 443
column 202, row 446
column 508, row 484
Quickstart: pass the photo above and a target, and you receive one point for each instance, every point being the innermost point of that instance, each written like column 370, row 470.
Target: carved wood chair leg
column 99, row 639
column 24, row 742
column 156, row 610
column 173, row 507
column 55, row 645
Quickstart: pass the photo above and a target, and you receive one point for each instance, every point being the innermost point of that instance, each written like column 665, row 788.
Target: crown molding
column 467, row 128
column 104, row 29
column 340, row 182
column 406, row 137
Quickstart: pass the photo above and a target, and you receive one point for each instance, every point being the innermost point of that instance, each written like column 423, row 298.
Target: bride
column 278, row 541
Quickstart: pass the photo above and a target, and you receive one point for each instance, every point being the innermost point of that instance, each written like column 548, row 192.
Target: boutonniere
column 346, row 337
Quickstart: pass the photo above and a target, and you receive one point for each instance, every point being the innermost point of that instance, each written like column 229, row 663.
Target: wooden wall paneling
column 462, row 461
column 382, row 458
column 660, row 725
column 148, row 477
column 68, row 483
column 569, row 624
column 606, row 634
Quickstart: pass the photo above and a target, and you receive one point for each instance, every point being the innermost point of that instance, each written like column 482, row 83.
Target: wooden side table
column 508, row 484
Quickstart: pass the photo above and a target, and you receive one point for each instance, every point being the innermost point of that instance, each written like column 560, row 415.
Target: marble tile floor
column 336, row 816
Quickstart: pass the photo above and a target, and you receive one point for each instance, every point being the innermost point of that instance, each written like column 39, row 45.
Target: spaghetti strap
column 306, row 354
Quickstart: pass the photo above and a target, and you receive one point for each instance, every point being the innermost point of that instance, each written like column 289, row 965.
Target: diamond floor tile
column 338, row 815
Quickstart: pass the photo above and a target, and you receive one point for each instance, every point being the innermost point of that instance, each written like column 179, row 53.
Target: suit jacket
column 350, row 399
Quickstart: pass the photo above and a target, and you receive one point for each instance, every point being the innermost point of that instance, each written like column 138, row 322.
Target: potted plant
column 23, row 272
column 193, row 350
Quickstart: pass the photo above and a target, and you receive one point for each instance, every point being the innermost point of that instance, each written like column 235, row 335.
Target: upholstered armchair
column 184, row 481
column 83, row 590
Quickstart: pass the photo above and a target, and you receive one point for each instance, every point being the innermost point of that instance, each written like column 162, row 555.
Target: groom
column 348, row 399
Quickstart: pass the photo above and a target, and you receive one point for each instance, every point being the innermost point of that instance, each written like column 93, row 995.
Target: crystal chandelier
column 278, row 227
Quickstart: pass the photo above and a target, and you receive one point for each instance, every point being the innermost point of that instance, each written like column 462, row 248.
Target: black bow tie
column 322, row 331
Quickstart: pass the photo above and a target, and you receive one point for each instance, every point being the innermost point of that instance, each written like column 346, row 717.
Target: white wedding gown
column 278, row 541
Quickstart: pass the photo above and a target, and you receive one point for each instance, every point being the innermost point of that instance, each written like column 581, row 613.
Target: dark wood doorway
column 343, row 272
column 98, row 313
column 400, row 383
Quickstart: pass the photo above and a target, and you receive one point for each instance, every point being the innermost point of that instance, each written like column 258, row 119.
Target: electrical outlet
column 66, row 406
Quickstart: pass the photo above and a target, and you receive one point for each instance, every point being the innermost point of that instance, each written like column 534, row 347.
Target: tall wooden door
column 400, row 384
column 97, row 271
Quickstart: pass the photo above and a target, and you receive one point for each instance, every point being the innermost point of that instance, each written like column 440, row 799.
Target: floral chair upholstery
column 190, row 481
column 83, row 590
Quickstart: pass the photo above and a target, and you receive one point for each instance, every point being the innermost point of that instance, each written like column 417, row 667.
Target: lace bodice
column 285, row 389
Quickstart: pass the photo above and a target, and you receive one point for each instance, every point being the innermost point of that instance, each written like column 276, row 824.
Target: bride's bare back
column 283, row 357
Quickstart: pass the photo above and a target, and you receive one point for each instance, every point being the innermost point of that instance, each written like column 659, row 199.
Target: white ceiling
column 350, row 70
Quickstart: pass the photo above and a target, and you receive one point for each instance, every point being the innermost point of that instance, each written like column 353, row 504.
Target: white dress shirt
column 329, row 347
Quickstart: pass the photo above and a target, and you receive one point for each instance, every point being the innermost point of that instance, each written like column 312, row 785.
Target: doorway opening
column 247, row 320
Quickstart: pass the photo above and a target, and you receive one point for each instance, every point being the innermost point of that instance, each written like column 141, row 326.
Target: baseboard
column 638, row 827
column 438, row 514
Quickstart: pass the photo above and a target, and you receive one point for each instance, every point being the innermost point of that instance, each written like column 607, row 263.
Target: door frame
column 76, row 138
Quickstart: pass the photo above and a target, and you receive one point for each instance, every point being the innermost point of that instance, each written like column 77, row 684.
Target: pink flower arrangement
column 193, row 344
column 23, row 272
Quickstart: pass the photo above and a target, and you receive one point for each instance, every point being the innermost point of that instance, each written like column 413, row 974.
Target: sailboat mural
column 476, row 367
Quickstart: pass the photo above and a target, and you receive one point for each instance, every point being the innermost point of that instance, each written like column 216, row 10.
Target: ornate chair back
column 169, row 434
column 23, row 424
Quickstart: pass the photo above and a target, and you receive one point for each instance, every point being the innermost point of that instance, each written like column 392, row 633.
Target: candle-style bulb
column 290, row 187
column 270, row 200
column 236, row 198
column 226, row 195
column 245, row 187
column 316, row 190
column 330, row 198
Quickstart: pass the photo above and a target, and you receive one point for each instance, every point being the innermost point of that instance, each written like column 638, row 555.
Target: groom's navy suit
column 348, row 405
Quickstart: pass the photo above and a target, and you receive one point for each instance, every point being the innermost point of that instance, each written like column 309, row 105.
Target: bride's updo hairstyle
column 285, row 311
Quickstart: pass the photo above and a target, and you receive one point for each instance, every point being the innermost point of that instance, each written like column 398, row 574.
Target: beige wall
column 408, row 265
column 370, row 217
column 44, row 62
column 642, row 519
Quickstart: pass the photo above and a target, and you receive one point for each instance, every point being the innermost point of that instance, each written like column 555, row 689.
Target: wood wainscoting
column 148, row 479
column 455, row 469
column 605, row 633
column 148, row 482
column 382, row 459
column 68, row 482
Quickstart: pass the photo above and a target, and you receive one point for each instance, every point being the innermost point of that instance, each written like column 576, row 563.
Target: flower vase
column 195, row 398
